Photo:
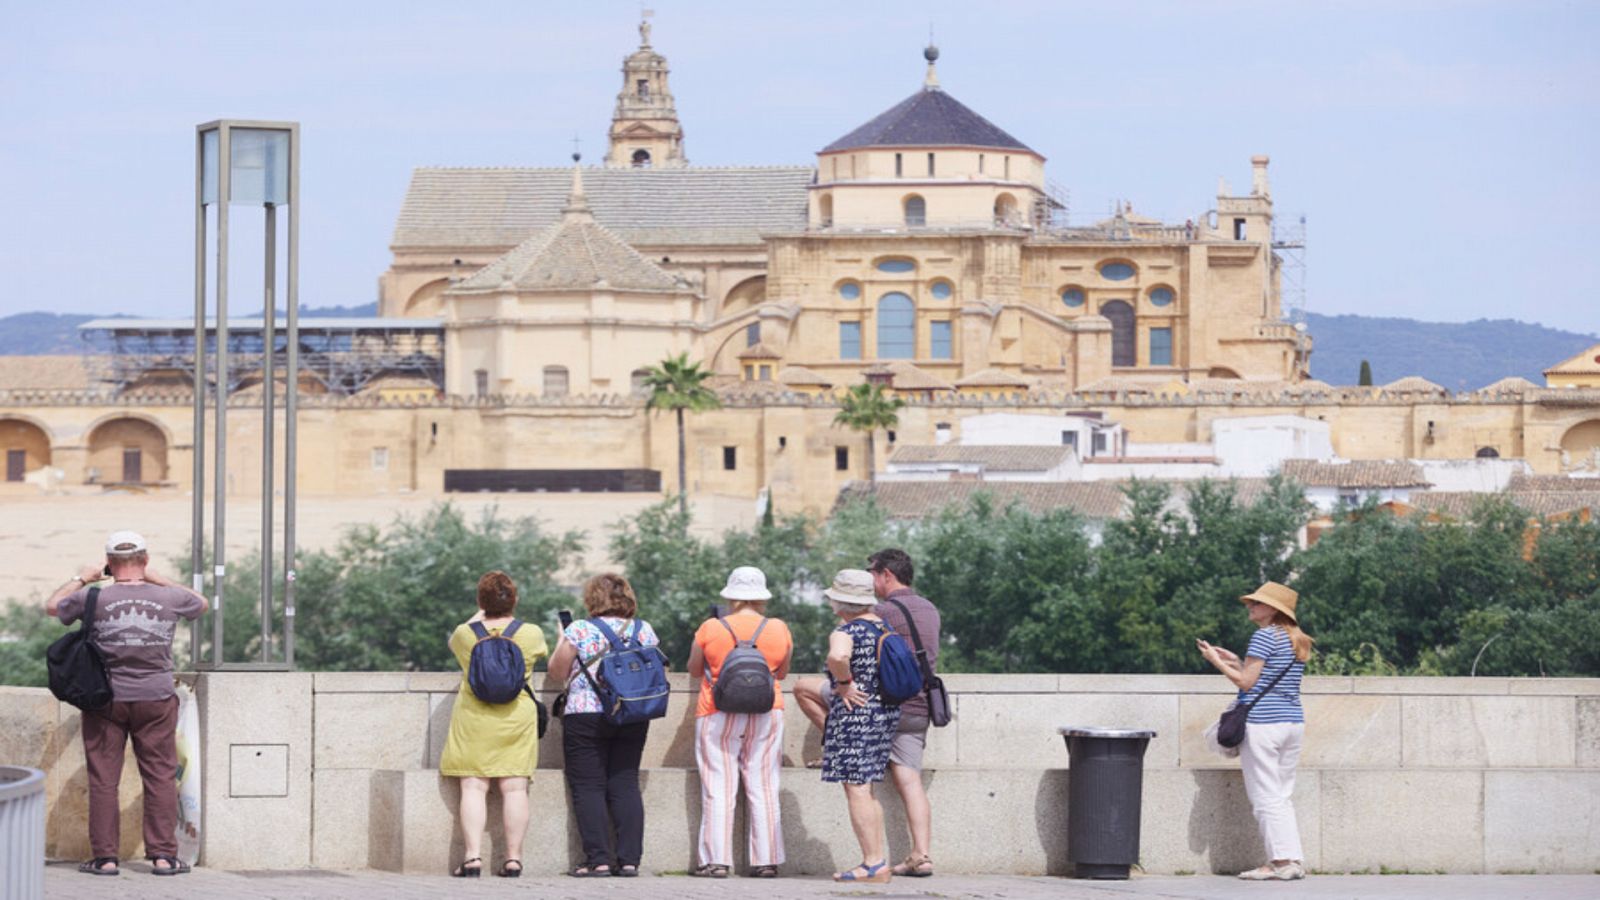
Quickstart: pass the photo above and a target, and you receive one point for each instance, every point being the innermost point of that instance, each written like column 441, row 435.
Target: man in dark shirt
column 135, row 618
column 917, row 621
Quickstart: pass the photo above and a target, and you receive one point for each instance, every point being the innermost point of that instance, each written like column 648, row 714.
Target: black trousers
column 602, row 769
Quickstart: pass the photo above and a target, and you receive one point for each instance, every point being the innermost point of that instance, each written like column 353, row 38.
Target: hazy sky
column 1443, row 151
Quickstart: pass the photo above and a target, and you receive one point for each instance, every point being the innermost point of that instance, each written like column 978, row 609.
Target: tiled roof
column 1357, row 473
column 759, row 350
column 1585, row 363
column 992, row 378
column 800, row 375
column 450, row 207
column 920, row 499
column 908, row 377
column 575, row 253
column 59, row 373
column 1119, row 383
column 996, row 458
column 1514, row 384
column 928, row 118
column 1413, row 384
column 1552, row 483
column 1457, row 504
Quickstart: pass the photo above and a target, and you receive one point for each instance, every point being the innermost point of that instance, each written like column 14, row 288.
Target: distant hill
column 1457, row 355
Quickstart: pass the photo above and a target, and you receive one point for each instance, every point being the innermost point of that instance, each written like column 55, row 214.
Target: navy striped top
column 1272, row 645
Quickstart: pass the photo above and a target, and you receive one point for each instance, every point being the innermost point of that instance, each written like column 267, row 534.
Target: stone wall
column 1451, row 774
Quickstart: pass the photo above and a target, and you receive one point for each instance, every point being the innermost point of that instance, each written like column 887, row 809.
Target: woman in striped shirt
column 1275, row 659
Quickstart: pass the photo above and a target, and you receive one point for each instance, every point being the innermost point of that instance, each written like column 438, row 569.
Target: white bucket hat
column 125, row 543
column 853, row 586
column 746, row 583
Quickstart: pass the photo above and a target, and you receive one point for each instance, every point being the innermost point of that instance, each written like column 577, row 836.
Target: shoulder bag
column 1230, row 728
column 932, row 687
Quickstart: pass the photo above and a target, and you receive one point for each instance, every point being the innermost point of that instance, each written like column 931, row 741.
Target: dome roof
column 928, row 118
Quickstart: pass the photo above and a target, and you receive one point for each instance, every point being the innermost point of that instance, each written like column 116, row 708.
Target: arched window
column 897, row 327
column 916, row 211
column 641, row 159
column 1488, row 453
column 639, row 382
column 825, row 210
column 555, row 381
column 1120, row 312
column 1005, row 209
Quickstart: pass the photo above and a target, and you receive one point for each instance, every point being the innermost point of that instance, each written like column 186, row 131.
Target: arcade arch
column 26, row 447
column 127, row 450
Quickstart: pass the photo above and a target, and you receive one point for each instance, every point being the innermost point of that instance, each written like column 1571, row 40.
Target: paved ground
column 63, row 880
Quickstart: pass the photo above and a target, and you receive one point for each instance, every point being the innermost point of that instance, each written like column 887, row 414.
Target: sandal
column 877, row 874
column 709, row 870
column 466, row 870
column 814, row 763
column 174, row 866
column 507, row 872
column 587, row 871
column 764, row 872
column 93, row 866
column 917, row 865
column 626, row 871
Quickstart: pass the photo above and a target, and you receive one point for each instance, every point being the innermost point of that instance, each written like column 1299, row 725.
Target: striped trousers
column 728, row 745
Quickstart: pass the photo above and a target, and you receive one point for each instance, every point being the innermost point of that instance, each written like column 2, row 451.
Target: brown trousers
column 153, row 725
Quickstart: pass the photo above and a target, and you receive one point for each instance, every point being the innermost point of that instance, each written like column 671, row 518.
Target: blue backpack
column 496, row 671
column 632, row 684
column 899, row 676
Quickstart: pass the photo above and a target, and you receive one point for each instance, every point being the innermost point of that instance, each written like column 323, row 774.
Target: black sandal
column 507, row 872
column 764, row 872
column 92, row 867
column 468, row 871
column 626, row 871
column 709, row 870
column 174, row 866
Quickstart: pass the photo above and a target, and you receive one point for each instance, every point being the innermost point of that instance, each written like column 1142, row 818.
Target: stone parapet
column 339, row 770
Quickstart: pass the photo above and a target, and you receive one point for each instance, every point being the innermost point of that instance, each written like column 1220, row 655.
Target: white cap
column 125, row 543
column 746, row 583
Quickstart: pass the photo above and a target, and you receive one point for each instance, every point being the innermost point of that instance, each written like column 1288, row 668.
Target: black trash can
column 1104, row 786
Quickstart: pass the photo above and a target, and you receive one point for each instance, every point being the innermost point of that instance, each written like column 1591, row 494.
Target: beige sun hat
column 1278, row 596
column 853, row 586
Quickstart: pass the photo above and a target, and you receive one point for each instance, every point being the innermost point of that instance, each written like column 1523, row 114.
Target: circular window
column 850, row 290
column 1161, row 296
column 897, row 266
column 942, row 290
column 1116, row 271
column 1072, row 297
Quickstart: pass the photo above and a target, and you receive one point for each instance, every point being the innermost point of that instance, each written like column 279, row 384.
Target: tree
column 1366, row 374
column 865, row 408
column 679, row 385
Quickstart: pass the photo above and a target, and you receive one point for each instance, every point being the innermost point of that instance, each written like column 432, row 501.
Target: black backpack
column 744, row 683
column 77, row 667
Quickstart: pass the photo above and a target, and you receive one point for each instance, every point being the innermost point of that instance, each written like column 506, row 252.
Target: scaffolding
column 1289, row 245
column 343, row 355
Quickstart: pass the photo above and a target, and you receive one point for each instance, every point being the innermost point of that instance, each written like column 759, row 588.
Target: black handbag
column 932, row 686
column 1230, row 728
column 76, row 666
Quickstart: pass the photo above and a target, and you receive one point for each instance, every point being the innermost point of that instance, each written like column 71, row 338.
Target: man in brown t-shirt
column 135, row 618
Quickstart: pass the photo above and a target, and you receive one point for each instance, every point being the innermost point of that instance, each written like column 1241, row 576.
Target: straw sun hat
column 1280, row 597
column 853, row 586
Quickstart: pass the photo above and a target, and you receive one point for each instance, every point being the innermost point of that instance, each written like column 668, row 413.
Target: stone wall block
column 261, row 709
column 1008, row 732
column 359, row 682
column 1541, row 821
column 1351, row 731
column 342, row 825
column 1495, row 731
column 1588, row 749
column 1200, row 821
column 1141, row 684
column 1412, row 820
column 372, row 731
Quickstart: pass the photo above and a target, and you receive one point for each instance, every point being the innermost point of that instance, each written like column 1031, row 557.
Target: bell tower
column 644, row 128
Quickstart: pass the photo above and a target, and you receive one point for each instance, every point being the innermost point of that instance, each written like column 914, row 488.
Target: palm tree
column 865, row 407
column 678, row 384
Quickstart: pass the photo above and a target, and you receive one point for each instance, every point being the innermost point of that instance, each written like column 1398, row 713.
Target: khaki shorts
column 909, row 741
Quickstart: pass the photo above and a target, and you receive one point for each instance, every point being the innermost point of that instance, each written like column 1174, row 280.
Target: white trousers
column 728, row 745
column 1269, row 756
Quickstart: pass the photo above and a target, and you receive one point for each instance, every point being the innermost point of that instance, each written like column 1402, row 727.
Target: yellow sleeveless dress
column 493, row 740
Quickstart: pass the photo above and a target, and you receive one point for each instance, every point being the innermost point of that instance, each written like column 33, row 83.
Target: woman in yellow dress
column 496, row 742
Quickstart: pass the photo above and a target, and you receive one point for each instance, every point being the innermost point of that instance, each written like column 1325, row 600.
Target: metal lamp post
column 246, row 163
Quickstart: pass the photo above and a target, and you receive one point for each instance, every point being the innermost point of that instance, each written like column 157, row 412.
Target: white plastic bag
column 1214, row 747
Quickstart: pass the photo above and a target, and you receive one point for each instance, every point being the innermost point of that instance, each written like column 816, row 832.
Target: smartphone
column 565, row 616
column 106, row 571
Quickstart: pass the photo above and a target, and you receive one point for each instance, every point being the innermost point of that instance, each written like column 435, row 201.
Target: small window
column 899, row 169
column 1349, row 499
column 1099, row 443
column 1238, row 229
column 897, row 327
column 941, row 433
column 891, row 435
column 841, row 459
column 849, row 290
column 1069, row 439
column 930, row 165
column 380, row 459
column 639, row 382
column 482, row 378
column 939, row 340
column 641, row 159
column 849, row 340
column 555, row 381
column 766, row 373
column 1116, row 271
column 643, row 88
column 752, row 334
column 942, row 290
column 782, row 442
column 916, row 210
column 1488, row 453
column 1008, row 168
column 730, row 458
column 1161, row 296
column 980, row 163
column 896, row 266
column 1072, row 297
column 1161, row 346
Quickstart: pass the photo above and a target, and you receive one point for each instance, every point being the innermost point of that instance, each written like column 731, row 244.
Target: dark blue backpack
column 632, row 684
column 899, row 676
column 497, row 672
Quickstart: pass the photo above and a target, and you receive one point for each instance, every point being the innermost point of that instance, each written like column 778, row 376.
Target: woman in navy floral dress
column 860, row 726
